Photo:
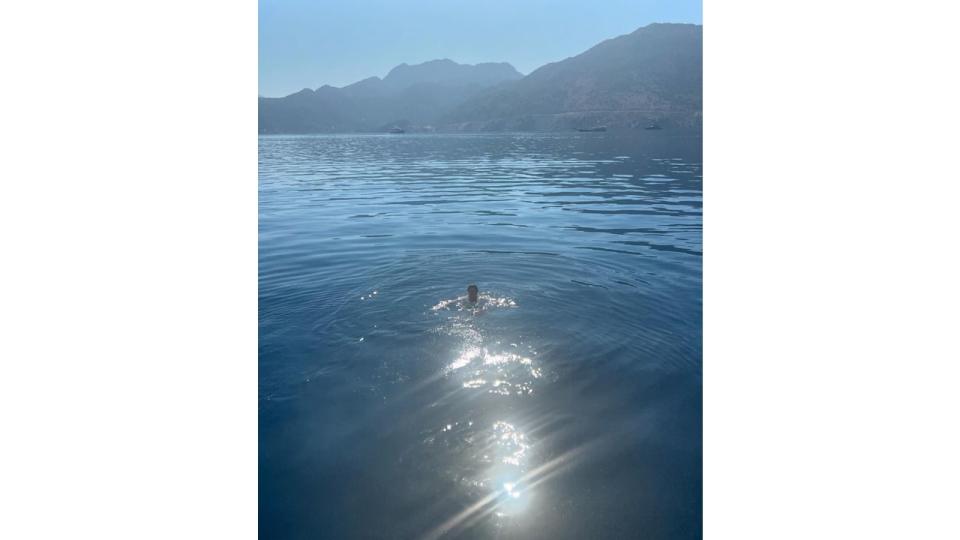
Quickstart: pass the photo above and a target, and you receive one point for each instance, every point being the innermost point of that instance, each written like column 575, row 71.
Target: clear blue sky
column 309, row 43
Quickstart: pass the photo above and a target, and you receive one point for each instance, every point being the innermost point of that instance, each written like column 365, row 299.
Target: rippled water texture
column 566, row 403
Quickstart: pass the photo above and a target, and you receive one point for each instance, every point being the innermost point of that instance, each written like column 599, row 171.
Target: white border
column 830, row 270
column 129, row 235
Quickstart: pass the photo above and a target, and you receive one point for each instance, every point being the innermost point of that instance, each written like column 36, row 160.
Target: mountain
column 653, row 75
column 449, row 73
column 414, row 95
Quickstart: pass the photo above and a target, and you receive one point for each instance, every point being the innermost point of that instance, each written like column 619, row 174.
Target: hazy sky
column 309, row 43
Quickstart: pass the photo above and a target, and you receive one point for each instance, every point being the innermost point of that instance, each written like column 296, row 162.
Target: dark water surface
column 567, row 404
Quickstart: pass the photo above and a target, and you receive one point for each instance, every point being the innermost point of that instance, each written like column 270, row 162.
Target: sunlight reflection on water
column 505, row 450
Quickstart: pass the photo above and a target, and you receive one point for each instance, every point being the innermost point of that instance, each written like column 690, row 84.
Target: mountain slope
column 408, row 95
column 449, row 73
column 651, row 75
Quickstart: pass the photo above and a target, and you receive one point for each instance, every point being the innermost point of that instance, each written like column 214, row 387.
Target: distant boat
column 593, row 129
column 397, row 130
column 653, row 126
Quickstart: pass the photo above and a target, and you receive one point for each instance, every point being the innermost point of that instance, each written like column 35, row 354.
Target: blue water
column 566, row 403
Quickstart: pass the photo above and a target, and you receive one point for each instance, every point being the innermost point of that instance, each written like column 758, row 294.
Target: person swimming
column 473, row 303
column 473, row 293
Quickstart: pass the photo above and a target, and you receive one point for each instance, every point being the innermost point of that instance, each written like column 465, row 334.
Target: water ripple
column 565, row 403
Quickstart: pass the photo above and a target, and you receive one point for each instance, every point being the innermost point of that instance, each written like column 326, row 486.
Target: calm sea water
column 565, row 404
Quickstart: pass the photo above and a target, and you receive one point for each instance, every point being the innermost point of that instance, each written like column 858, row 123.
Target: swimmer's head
column 472, row 293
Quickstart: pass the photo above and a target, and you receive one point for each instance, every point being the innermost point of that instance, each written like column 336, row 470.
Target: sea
column 566, row 402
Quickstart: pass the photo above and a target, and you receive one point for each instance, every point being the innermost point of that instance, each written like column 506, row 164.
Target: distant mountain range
column 653, row 75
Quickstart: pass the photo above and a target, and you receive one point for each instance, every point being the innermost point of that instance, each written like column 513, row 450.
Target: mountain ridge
column 408, row 95
column 651, row 75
